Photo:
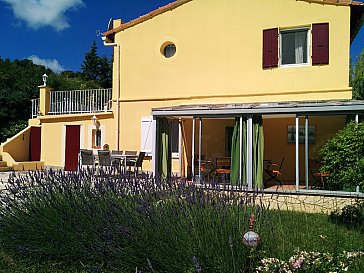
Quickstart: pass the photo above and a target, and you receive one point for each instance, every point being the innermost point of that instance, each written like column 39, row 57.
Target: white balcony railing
column 76, row 102
column 35, row 108
column 80, row 101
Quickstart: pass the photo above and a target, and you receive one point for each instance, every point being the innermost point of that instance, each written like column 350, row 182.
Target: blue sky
column 59, row 32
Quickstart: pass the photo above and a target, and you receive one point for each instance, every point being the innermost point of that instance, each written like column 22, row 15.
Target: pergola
column 301, row 109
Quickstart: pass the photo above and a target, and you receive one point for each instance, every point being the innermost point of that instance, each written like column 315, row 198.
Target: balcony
column 74, row 102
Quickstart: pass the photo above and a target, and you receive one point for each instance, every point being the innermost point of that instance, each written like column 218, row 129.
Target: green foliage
column 14, row 128
column 351, row 216
column 19, row 81
column 357, row 78
column 342, row 157
column 106, row 223
column 97, row 69
column 18, row 85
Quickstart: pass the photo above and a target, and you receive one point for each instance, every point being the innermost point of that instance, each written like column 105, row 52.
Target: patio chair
column 318, row 176
column 104, row 158
column 274, row 170
column 136, row 163
column 117, row 159
column 86, row 158
column 222, row 167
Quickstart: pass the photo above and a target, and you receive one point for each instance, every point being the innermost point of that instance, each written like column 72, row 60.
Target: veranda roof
column 327, row 107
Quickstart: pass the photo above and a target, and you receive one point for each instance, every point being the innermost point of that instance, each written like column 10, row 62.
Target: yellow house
column 197, row 81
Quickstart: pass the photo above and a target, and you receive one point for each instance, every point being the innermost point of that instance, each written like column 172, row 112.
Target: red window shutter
column 320, row 44
column 270, row 48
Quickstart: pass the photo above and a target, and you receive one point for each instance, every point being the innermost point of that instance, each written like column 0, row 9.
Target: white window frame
column 308, row 46
column 102, row 128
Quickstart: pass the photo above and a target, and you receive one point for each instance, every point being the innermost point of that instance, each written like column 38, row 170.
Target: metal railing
column 76, row 102
column 35, row 108
column 80, row 101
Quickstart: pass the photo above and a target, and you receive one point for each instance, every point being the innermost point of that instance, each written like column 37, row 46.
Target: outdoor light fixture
column 250, row 238
column 94, row 120
column 45, row 77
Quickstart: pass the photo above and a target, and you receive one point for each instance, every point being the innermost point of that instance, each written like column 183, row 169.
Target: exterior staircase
column 3, row 166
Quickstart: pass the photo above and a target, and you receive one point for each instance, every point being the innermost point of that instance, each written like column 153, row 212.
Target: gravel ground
column 3, row 178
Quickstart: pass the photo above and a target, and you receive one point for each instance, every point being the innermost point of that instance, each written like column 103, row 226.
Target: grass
column 60, row 222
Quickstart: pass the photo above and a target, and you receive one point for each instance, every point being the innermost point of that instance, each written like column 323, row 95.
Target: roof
column 293, row 107
column 356, row 22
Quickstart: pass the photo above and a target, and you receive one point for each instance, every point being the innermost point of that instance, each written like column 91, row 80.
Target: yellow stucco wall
column 219, row 53
column 54, row 132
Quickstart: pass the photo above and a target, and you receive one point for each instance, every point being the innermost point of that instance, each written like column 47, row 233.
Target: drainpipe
column 117, row 61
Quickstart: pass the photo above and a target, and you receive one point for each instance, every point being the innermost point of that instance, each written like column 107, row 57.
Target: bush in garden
column 351, row 215
column 122, row 223
column 343, row 158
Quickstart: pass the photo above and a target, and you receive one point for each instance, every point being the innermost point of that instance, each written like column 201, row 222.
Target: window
column 168, row 50
column 96, row 138
column 294, row 46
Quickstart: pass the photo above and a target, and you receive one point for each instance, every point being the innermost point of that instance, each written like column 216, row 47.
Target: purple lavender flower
column 196, row 264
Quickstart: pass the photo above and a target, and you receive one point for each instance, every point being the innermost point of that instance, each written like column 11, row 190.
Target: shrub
column 121, row 223
column 351, row 215
column 342, row 158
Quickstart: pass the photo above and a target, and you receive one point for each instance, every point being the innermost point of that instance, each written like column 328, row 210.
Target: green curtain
column 258, row 151
column 235, row 154
column 164, row 144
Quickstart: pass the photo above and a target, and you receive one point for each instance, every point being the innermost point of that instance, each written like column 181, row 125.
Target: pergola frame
column 300, row 109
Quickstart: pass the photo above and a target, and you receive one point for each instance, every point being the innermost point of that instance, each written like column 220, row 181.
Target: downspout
column 117, row 60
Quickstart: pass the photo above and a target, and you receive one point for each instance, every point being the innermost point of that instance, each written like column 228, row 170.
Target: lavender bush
column 106, row 222
column 120, row 222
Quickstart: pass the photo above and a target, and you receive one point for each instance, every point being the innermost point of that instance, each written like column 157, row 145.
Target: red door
column 72, row 147
column 35, row 142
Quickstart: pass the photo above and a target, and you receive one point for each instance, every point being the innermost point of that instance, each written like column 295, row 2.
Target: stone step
column 3, row 164
column 6, row 169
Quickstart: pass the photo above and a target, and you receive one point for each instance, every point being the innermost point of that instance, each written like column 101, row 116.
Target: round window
column 169, row 50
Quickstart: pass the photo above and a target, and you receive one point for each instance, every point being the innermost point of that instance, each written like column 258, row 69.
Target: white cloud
column 40, row 13
column 51, row 64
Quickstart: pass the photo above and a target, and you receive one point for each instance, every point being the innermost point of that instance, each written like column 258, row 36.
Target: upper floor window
column 294, row 46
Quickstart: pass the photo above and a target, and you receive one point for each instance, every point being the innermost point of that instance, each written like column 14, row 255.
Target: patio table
column 123, row 158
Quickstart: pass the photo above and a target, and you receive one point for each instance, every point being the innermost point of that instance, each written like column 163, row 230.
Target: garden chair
column 318, row 176
column 86, row 158
column 104, row 158
column 136, row 163
column 274, row 170
column 222, row 167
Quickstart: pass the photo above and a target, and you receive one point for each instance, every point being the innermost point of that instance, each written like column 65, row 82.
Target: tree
column 19, row 81
column 358, row 78
column 97, row 69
